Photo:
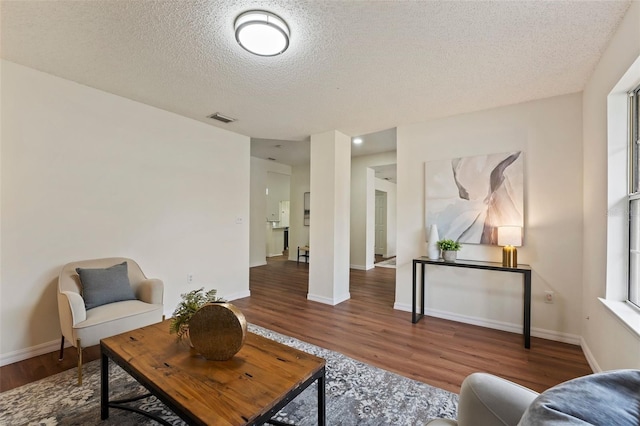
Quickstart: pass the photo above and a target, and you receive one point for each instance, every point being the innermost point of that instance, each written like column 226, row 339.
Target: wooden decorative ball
column 217, row 331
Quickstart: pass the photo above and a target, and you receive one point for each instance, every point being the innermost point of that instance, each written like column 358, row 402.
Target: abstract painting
column 467, row 198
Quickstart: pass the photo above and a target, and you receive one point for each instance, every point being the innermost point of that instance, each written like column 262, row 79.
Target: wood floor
column 366, row 327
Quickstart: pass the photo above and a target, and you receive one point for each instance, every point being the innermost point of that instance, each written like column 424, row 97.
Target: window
column 634, row 197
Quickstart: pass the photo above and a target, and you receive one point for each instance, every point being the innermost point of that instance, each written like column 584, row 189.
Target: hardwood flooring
column 366, row 327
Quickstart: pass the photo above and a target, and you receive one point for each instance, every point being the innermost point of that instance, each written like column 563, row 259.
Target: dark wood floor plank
column 366, row 327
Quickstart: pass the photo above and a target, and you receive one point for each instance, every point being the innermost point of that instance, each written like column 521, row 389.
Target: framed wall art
column 468, row 198
column 307, row 207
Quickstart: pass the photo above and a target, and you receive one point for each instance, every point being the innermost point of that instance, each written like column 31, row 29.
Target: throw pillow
column 609, row 398
column 101, row 286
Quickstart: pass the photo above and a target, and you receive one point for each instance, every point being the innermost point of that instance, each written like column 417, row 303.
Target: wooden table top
column 232, row 392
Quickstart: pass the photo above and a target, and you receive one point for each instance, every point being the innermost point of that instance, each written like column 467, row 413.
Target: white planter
column 449, row 255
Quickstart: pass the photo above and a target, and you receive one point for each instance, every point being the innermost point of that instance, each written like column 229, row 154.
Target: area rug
column 356, row 394
column 389, row 263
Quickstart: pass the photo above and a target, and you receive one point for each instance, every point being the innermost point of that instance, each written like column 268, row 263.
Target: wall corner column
column 329, row 230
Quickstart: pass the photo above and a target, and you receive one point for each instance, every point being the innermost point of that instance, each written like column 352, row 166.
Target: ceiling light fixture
column 262, row 33
column 357, row 141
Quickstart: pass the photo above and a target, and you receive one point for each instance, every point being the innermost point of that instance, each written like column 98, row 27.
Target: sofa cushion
column 101, row 286
column 610, row 398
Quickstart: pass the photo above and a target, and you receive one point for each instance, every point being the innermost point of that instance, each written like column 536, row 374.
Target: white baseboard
column 238, row 295
column 33, row 351
column 589, row 355
column 361, row 267
column 257, row 264
column 497, row 325
column 327, row 300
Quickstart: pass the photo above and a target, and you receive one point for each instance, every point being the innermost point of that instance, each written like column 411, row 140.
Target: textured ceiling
column 353, row 66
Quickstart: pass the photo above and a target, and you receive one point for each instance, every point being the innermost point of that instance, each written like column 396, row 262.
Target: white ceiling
column 354, row 66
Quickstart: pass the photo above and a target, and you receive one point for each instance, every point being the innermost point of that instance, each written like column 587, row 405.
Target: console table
column 525, row 270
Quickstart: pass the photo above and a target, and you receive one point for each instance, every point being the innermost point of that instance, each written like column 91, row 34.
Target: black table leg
column 421, row 290
column 104, row 387
column 322, row 415
column 527, row 310
column 414, row 318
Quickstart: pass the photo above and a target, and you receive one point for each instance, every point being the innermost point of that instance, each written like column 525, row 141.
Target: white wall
column 259, row 225
column 391, row 189
column 363, row 207
column 86, row 174
column 298, row 233
column 607, row 342
column 549, row 132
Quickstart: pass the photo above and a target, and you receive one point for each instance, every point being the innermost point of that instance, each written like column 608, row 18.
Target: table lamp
column 510, row 237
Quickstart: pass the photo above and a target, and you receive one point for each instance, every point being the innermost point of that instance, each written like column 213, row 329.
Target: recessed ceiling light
column 357, row 141
column 262, row 33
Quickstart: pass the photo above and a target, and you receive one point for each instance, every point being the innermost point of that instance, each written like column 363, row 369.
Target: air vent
column 220, row 117
column 271, row 158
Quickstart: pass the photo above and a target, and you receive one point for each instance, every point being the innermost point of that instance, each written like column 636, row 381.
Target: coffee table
column 249, row 389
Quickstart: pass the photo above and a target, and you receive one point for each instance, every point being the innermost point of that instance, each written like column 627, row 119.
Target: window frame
column 633, row 294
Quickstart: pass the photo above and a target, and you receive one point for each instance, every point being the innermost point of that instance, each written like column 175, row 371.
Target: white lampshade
column 510, row 236
column 262, row 33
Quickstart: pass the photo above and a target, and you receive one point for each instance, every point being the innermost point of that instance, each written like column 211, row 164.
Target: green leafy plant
column 189, row 305
column 449, row 245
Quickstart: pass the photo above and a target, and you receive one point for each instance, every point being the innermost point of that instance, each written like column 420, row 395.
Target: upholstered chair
column 100, row 298
column 608, row 398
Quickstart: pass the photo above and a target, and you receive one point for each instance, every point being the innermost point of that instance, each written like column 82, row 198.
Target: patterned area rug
column 356, row 394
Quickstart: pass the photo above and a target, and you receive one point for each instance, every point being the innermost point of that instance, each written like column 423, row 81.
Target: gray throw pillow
column 603, row 399
column 105, row 285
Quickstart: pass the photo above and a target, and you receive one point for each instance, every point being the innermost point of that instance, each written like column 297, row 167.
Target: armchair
column 84, row 326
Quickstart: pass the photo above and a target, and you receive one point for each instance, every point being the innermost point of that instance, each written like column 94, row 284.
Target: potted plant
column 189, row 305
column 449, row 249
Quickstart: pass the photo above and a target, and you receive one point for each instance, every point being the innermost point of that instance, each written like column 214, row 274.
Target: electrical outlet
column 189, row 278
column 548, row 296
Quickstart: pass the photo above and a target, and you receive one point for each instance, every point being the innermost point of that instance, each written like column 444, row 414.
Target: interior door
column 381, row 223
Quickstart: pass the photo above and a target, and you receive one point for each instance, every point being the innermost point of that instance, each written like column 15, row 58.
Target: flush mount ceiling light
column 262, row 33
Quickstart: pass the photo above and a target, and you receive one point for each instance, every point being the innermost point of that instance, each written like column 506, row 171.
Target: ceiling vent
column 223, row 118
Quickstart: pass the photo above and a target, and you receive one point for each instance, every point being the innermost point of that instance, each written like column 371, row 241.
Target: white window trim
column 625, row 312
column 616, row 293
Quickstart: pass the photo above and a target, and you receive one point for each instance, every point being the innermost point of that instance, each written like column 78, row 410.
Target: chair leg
column 61, row 349
column 79, row 348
